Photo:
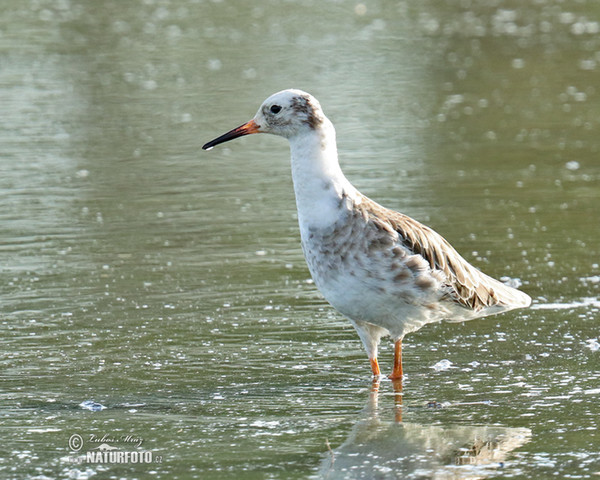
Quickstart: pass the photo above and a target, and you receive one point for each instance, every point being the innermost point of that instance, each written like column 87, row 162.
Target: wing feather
column 467, row 285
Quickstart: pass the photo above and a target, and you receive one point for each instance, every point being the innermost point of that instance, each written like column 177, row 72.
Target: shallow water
column 165, row 286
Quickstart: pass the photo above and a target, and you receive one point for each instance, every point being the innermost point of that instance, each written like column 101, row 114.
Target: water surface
column 166, row 287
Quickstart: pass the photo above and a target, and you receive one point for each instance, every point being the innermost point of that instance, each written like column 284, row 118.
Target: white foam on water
column 585, row 302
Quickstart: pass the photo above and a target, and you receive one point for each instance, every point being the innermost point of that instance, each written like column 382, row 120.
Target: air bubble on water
column 566, row 17
column 518, row 63
column 572, row 165
column 442, row 365
column 174, row 33
column 587, row 64
column 249, row 73
column 214, row 64
column 593, row 344
column 161, row 13
column 92, row 406
column 120, row 27
column 360, row 9
column 592, row 279
column 265, row 424
column 592, row 27
column 149, row 85
column 545, row 26
column 578, row 28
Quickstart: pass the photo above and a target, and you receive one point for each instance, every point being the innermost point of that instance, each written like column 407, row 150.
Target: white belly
column 379, row 288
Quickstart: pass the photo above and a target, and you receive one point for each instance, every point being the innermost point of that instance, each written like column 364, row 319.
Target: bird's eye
column 275, row 109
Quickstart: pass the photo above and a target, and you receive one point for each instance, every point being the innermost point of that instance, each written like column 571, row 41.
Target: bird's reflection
column 371, row 408
column 379, row 448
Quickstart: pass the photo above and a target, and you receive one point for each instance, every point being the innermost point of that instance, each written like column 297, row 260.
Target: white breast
column 370, row 278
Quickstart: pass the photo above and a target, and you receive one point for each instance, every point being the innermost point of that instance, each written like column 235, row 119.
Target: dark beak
column 245, row 129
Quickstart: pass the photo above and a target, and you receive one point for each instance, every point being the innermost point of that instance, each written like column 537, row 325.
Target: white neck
column 318, row 178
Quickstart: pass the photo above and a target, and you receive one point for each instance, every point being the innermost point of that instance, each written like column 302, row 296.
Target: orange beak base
column 245, row 129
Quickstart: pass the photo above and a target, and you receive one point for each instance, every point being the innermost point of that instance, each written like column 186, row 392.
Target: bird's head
column 287, row 113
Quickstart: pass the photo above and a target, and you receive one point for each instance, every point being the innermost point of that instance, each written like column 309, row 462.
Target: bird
column 387, row 273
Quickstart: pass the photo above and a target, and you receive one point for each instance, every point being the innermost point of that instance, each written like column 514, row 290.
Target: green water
column 168, row 286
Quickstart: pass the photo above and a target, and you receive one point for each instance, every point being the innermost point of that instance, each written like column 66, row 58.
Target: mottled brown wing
column 468, row 286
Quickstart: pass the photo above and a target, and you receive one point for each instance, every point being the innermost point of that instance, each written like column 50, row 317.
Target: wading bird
column 387, row 273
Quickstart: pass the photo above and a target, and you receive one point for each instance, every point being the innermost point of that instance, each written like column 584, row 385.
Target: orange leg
column 397, row 371
column 375, row 367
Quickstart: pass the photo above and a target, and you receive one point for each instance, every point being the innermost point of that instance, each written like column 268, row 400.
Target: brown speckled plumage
column 395, row 253
column 465, row 284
